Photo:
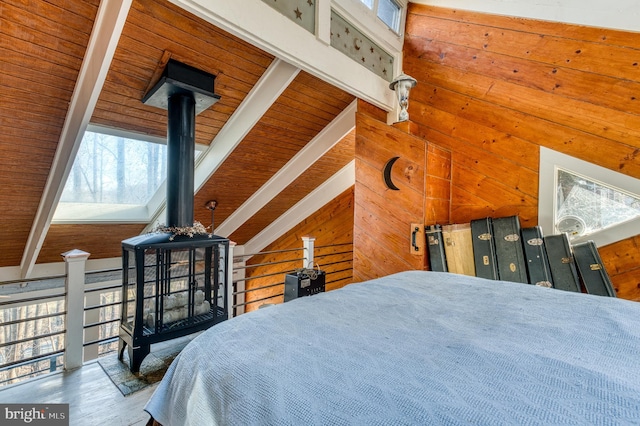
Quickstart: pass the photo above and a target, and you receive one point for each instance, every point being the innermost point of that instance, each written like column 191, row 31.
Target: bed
column 414, row 348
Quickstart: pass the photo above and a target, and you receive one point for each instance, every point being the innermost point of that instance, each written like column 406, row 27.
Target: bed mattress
column 415, row 348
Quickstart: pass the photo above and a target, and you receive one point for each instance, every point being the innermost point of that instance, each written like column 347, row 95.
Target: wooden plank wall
column 494, row 89
column 41, row 50
column 383, row 217
column 330, row 226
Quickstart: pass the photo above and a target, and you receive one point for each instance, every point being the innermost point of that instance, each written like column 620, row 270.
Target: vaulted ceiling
column 56, row 78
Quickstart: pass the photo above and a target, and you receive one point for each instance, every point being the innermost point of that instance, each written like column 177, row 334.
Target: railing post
column 74, row 287
column 229, row 279
column 308, row 245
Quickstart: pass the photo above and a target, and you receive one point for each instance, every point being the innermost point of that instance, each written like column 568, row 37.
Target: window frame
column 550, row 162
column 368, row 22
column 398, row 19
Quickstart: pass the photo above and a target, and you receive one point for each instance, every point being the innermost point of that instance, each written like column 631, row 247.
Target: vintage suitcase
column 536, row 256
column 591, row 270
column 561, row 262
column 484, row 250
column 459, row 249
column 435, row 245
column 509, row 251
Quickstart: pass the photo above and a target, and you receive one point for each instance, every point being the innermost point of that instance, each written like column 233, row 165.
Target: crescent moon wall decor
column 386, row 174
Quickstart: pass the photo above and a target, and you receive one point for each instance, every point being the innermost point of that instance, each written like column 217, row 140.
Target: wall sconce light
column 402, row 85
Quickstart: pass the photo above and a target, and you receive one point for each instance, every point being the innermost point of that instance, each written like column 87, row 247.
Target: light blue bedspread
column 416, row 348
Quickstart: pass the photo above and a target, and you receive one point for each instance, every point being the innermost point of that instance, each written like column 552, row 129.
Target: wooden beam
column 106, row 32
column 620, row 14
column 326, row 139
column 326, row 192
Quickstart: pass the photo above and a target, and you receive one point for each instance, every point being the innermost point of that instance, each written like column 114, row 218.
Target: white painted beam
column 264, row 27
column 320, row 145
column 330, row 189
column 104, row 38
column 269, row 87
column 618, row 14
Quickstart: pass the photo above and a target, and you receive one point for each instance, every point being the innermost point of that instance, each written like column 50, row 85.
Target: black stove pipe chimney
column 180, row 157
column 184, row 92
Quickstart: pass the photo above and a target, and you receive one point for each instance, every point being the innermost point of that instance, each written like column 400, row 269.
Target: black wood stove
column 171, row 289
column 174, row 283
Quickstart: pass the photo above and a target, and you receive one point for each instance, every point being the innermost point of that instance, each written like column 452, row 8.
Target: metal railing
column 264, row 284
column 34, row 317
column 47, row 324
column 265, row 279
column 32, row 328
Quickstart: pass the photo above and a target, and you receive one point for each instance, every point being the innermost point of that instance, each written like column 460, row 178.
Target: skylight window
column 116, row 177
column 586, row 201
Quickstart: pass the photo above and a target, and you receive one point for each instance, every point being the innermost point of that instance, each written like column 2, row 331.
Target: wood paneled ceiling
column 42, row 47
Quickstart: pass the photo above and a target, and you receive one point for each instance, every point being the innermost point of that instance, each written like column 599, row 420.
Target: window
column 584, row 206
column 112, row 169
column 389, row 13
column 588, row 202
column 116, row 176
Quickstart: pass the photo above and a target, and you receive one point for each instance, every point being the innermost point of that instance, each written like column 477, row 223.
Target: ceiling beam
column 619, row 14
column 314, row 201
column 259, row 24
column 106, row 32
column 333, row 133
column 264, row 93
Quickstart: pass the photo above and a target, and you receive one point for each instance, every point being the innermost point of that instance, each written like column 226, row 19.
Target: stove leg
column 121, row 345
column 137, row 355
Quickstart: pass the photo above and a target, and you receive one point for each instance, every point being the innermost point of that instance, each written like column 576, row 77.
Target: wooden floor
column 93, row 399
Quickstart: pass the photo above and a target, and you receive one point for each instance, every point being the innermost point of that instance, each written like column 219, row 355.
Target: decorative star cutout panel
column 349, row 40
column 302, row 12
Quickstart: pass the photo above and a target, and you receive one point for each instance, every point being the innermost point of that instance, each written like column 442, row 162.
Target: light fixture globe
column 402, row 85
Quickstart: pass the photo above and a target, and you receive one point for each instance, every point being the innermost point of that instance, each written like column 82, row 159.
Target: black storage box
column 591, row 270
column 303, row 283
column 562, row 263
column 437, row 258
column 484, row 249
column 509, row 250
column 536, row 255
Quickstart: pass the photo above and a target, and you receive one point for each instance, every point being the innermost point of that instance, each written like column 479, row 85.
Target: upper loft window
column 388, row 11
column 116, row 177
column 586, row 201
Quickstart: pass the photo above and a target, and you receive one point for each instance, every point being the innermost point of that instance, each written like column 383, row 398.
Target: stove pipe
column 184, row 92
column 180, row 158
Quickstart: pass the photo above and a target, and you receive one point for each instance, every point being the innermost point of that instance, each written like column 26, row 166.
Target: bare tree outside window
column 115, row 170
column 597, row 205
